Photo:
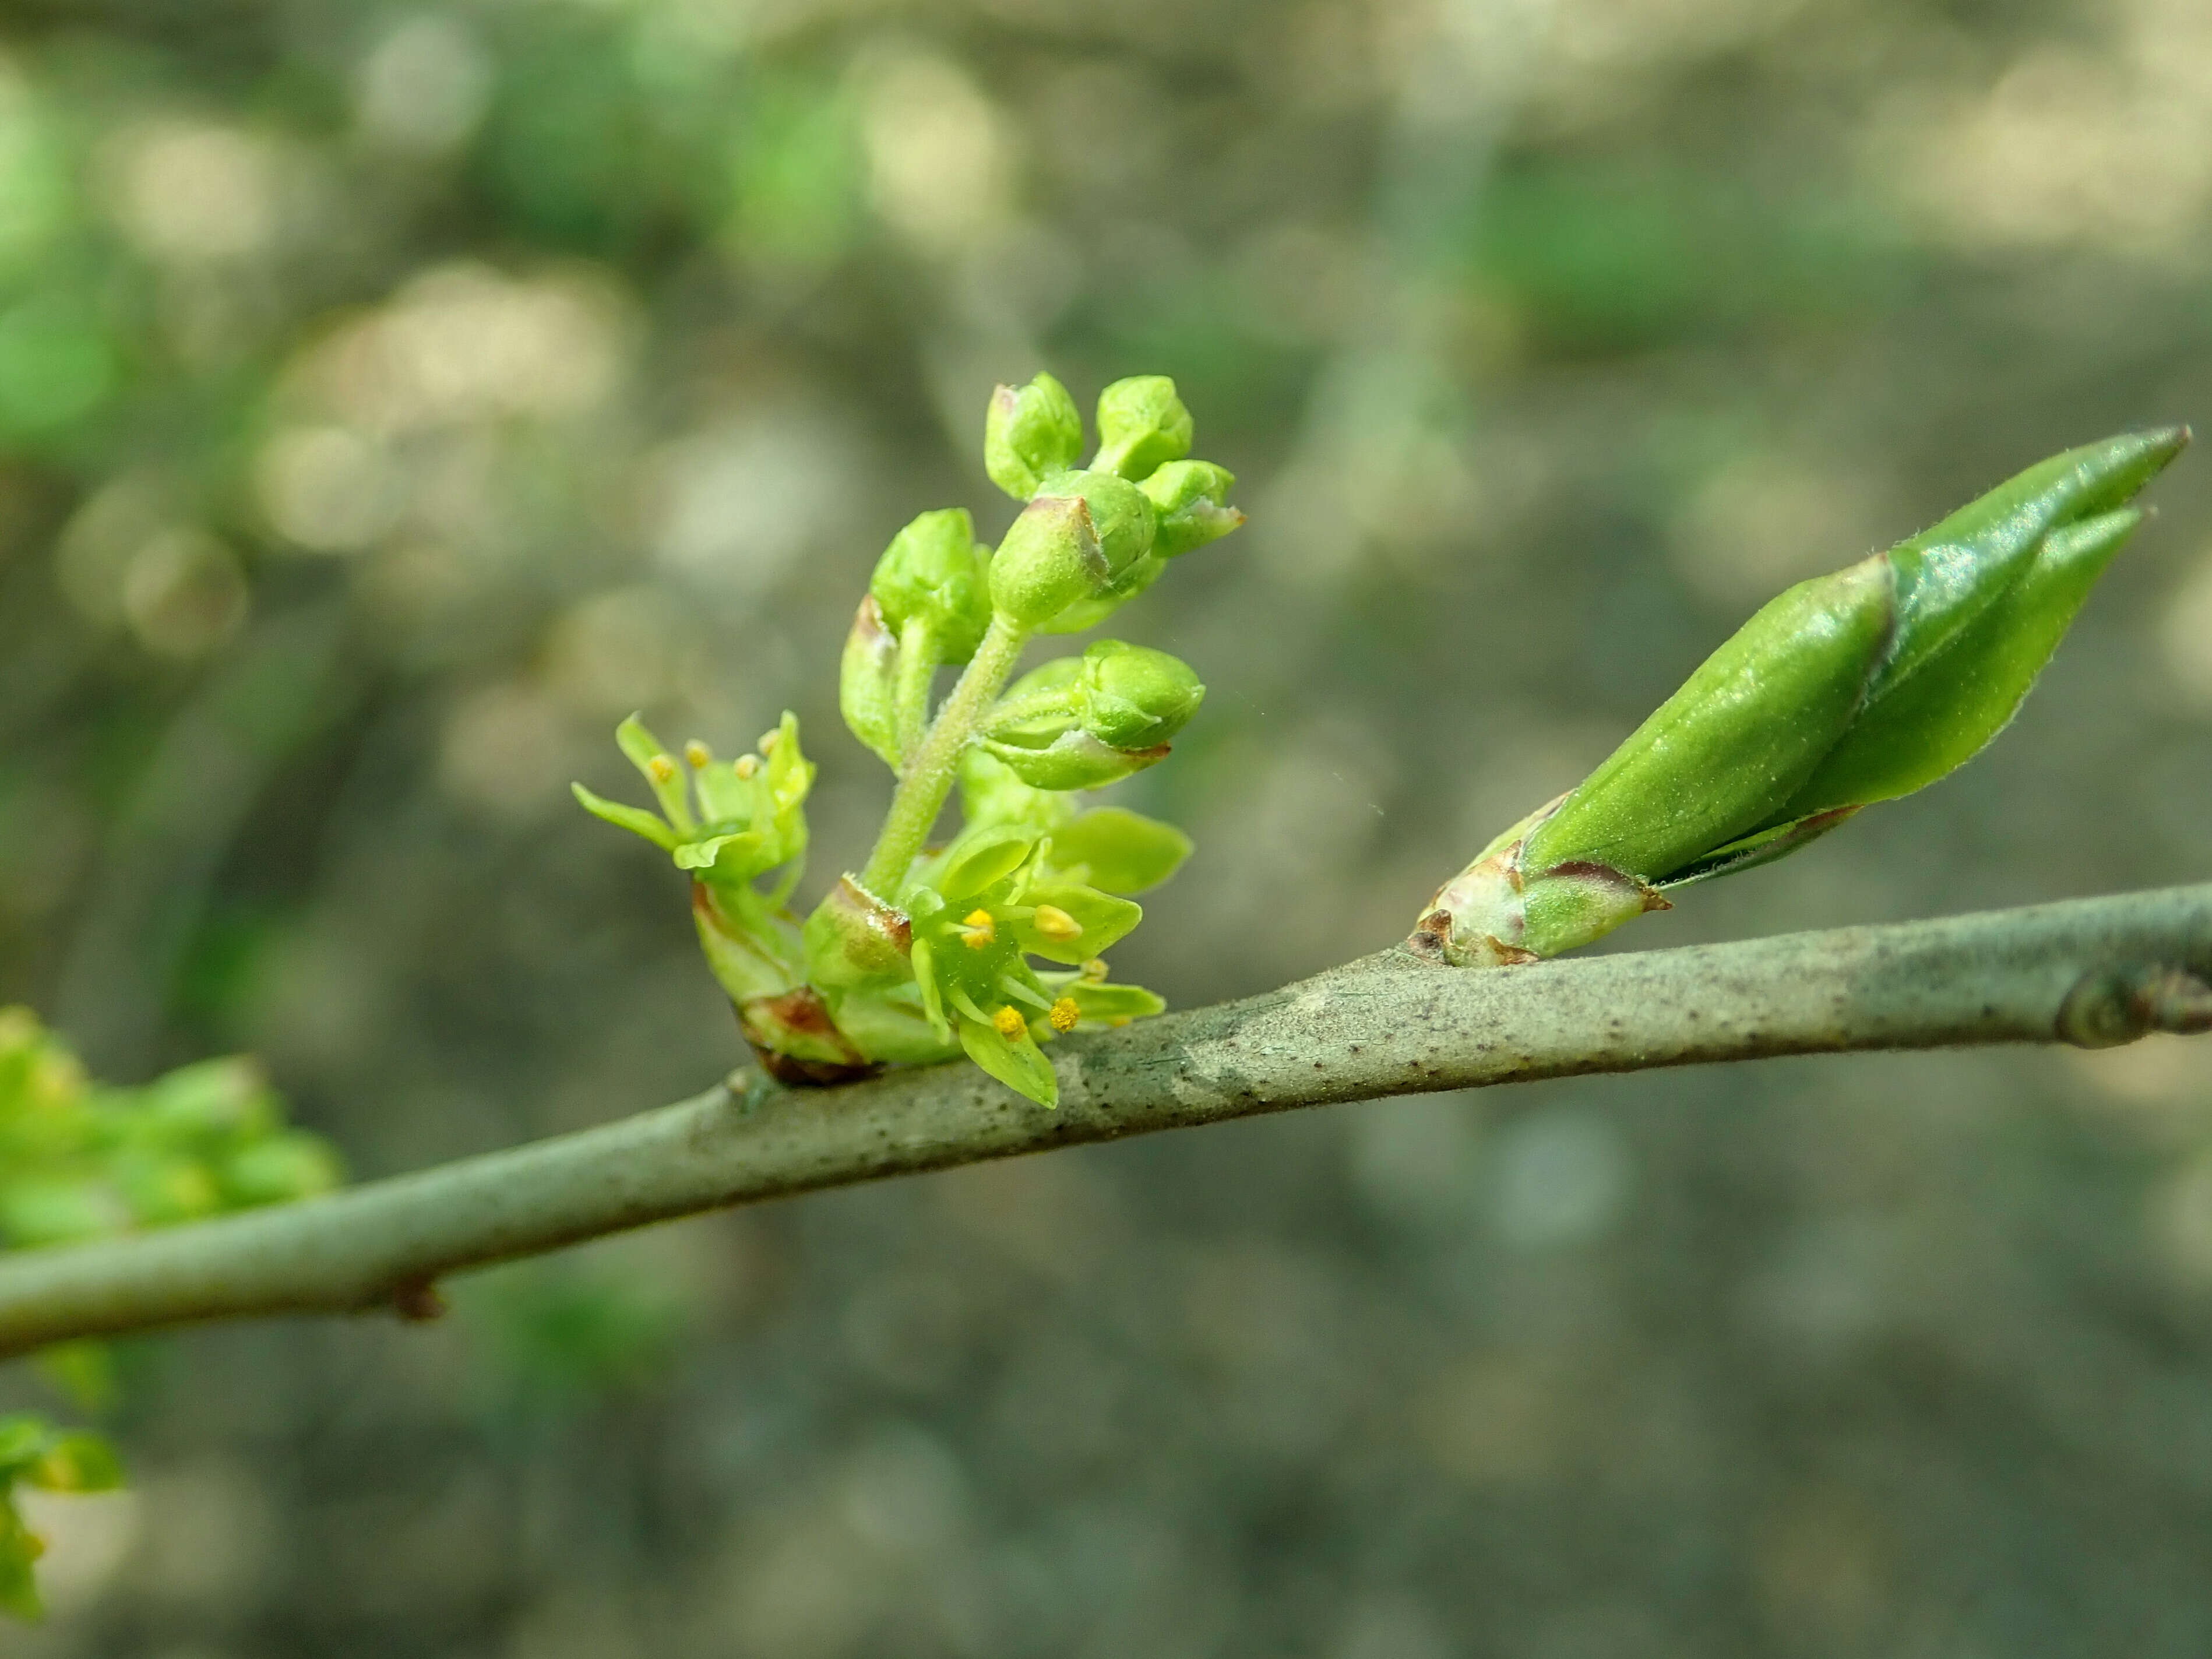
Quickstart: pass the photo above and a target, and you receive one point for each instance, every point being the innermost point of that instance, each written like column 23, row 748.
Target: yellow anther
column 978, row 929
column 1009, row 1023
column 767, row 744
column 747, row 765
column 1064, row 1014
column 1056, row 923
column 1094, row 971
column 662, row 768
column 698, row 754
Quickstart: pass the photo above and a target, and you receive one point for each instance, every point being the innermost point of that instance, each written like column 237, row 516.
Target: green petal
column 1119, row 851
column 636, row 819
column 1018, row 1063
column 1105, row 921
column 978, row 860
column 643, row 749
column 1112, row 1005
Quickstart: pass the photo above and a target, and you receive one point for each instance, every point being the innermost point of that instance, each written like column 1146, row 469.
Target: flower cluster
column 929, row 952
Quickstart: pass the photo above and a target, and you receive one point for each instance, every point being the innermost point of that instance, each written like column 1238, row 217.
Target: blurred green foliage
column 79, row 1160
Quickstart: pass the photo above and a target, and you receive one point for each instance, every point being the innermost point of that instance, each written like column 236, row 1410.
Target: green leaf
column 1722, row 754
column 1941, row 717
column 982, row 858
column 1119, row 851
column 1017, row 1062
column 1104, row 919
column 636, row 819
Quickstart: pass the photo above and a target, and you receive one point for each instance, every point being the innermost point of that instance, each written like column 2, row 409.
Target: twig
column 2093, row 972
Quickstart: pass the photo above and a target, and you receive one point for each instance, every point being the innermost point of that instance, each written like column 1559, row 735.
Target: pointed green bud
column 1192, row 501
column 1134, row 698
column 1142, row 425
column 1029, row 433
column 1746, row 730
column 932, row 574
column 867, row 679
column 1856, row 687
column 1082, row 531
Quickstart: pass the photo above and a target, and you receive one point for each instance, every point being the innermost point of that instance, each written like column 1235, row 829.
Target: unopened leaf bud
column 932, row 572
column 1142, row 425
column 1029, row 433
column 1134, row 698
column 1191, row 498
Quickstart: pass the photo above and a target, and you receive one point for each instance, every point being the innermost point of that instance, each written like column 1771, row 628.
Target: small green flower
column 1849, row 689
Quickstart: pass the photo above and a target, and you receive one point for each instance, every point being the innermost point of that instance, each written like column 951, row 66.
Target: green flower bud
column 1029, row 433
column 1133, row 697
column 1081, row 532
column 1142, row 425
column 932, row 572
column 1192, row 501
column 1855, row 687
column 1073, row 760
column 868, row 680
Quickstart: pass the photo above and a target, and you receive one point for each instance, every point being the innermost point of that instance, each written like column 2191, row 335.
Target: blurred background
column 393, row 398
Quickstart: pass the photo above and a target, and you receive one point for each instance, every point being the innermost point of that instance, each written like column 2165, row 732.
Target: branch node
column 2112, row 1006
column 418, row 1301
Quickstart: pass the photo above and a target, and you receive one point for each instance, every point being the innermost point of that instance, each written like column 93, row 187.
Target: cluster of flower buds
column 927, row 954
column 1851, row 689
column 1091, row 539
